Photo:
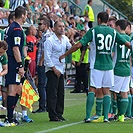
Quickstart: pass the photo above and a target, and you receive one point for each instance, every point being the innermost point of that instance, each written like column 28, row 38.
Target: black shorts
column 12, row 72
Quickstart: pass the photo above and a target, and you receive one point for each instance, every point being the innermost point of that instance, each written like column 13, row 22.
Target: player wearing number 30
column 102, row 39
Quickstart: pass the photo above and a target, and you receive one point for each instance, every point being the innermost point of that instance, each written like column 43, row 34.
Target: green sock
column 114, row 102
column 132, row 106
column 128, row 112
column 111, row 107
column 106, row 106
column 123, row 105
column 99, row 103
column 118, row 103
column 89, row 104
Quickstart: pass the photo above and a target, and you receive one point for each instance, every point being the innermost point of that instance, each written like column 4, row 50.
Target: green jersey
column 102, row 39
column 1, row 34
column 122, row 59
column 3, row 59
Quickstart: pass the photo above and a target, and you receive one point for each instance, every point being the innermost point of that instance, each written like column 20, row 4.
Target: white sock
column 24, row 113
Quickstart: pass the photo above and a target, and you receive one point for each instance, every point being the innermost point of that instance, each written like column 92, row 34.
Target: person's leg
column 4, row 96
column 25, row 117
column 78, row 84
column 106, row 102
column 96, row 77
column 32, row 68
column 131, row 91
column 51, row 92
column 124, row 98
column 11, row 101
column 128, row 112
column 41, row 89
column 90, row 24
column 84, row 76
column 107, row 83
column 99, row 102
column 89, row 103
column 60, row 98
column 123, row 105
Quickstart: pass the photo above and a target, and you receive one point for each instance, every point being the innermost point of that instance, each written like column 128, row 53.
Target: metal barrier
column 115, row 11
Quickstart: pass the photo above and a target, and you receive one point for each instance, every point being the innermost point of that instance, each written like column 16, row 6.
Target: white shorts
column 121, row 84
column 99, row 79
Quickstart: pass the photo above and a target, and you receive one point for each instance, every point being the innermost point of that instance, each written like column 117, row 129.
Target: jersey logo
column 17, row 40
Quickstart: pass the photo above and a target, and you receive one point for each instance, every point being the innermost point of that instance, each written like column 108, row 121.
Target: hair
column 122, row 23
column 19, row 11
column 55, row 24
column 128, row 23
column 11, row 16
column 103, row 16
column 89, row 1
column 112, row 18
column 3, row 44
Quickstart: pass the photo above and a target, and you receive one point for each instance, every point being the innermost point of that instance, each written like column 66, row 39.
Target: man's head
column 32, row 30
column 90, row 2
column 129, row 27
column 44, row 24
column 120, row 25
column 102, row 17
column 3, row 47
column 11, row 17
column 21, row 13
column 59, row 28
column 111, row 22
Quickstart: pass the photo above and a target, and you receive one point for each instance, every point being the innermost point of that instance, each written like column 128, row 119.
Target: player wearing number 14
column 121, row 71
column 102, row 39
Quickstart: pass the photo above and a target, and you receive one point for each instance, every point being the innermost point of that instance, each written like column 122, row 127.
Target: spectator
column 88, row 12
column 80, row 61
column 1, row 17
column 55, row 45
column 45, row 8
column 32, row 48
column 34, row 7
column 80, row 25
column 29, row 18
column 15, row 3
column 44, row 27
column 65, row 7
column 5, row 17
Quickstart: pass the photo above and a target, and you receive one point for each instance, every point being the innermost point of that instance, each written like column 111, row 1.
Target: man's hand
column 57, row 72
column 61, row 57
column 21, row 72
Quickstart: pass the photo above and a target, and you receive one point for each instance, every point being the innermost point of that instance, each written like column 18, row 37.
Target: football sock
column 118, row 103
column 106, row 106
column 24, row 113
column 128, row 112
column 123, row 106
column 10, row 107
column 89, row 104
column 132, row 106
column 99, row 103
column 16, row 98
column 114, row 103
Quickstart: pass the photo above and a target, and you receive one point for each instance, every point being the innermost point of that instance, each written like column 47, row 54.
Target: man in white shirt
column 55, row 46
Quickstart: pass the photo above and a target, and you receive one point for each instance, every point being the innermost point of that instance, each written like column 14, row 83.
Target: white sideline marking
column 56, row 128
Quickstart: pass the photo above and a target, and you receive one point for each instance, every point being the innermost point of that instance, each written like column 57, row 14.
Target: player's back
column 101, row 46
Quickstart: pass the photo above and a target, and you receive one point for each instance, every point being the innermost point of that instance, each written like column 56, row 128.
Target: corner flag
column 29, row 96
